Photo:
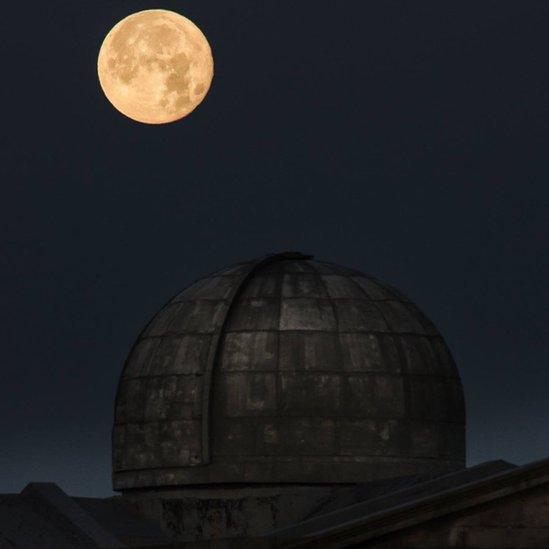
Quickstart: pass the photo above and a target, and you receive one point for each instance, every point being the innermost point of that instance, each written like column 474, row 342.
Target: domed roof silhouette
column 287, row 370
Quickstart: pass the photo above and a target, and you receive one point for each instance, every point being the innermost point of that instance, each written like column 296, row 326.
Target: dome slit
column 213, row 357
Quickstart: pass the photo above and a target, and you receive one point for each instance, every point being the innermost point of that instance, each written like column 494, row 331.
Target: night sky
column 409, row 140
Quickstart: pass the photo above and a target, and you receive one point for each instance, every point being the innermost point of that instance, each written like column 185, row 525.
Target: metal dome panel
column 286, row 370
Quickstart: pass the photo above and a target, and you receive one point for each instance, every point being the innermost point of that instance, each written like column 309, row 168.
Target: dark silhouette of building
column 290, row 402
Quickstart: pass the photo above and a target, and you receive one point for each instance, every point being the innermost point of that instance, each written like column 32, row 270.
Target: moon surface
column 155, row 66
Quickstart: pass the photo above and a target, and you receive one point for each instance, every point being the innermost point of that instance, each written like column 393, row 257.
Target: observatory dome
column 287, row 370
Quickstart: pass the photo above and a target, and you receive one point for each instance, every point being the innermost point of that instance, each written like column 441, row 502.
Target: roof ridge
column 509, row 479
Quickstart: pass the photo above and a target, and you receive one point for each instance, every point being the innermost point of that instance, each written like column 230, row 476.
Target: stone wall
column 248, row 512
column 209, row 513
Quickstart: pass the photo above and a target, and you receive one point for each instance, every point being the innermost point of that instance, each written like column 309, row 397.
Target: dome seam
column 407, row 388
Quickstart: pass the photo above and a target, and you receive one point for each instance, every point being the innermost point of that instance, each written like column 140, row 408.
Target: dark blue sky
column 406, row 139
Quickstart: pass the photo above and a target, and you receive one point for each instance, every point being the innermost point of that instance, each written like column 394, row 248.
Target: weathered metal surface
column 287, row 370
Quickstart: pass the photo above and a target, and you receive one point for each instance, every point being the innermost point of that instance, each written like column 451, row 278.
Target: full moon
column 155, row 66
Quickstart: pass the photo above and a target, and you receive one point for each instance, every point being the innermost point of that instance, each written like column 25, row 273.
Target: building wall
column 204, row 514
